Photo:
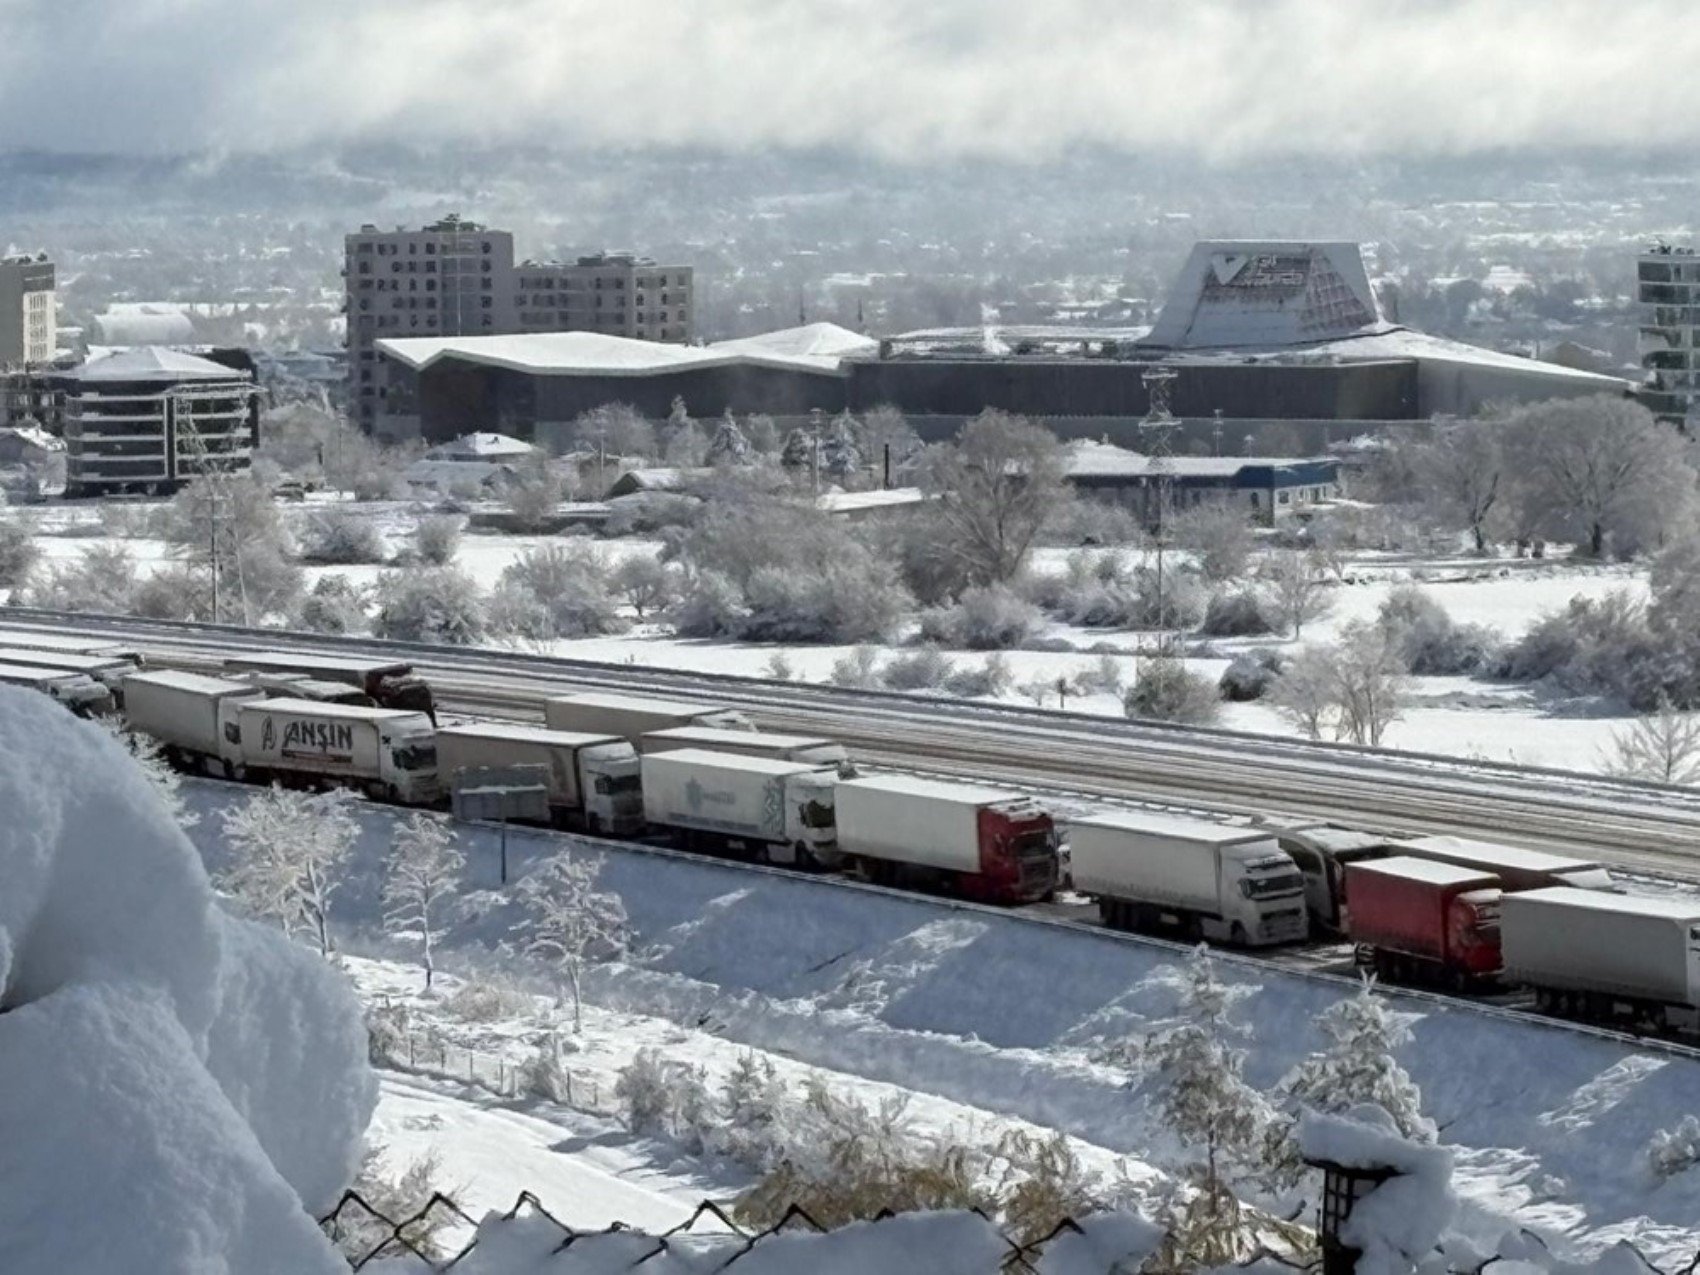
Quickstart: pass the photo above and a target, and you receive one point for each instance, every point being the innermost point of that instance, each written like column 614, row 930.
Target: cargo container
column 81, row 694
column 300, row 686
column 984, row 843
column 390, row 683
column 750, row 743
column 1197, row 877
column 1517, row 869
column 388, row 753
column 1321, row 852
column 191, row 715
column 109, row 670
column 69, row 643
column 595, row 781
column 631, row 717
column 1605, row 958
column 1422, row 921
column 775, row 811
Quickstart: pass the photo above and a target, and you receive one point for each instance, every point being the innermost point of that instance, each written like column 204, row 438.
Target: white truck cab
column 1267, row 896
column 613, row 788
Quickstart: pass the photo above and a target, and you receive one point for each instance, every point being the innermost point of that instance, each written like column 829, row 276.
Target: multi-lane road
column 1644, row 827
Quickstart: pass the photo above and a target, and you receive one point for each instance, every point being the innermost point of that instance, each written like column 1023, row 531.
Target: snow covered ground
column 988, row 1018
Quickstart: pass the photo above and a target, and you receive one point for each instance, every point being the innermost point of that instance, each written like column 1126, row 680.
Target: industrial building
column 149, row 419
column 1262, row 335
column 29, row 316
column 1269, row 489
column 457, row 278
column 1668, row 282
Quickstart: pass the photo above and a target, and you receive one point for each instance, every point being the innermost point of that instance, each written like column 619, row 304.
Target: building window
column 486, row 250
column 430, row 250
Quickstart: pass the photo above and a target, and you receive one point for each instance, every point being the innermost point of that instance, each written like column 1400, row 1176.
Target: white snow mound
column 184, row 1090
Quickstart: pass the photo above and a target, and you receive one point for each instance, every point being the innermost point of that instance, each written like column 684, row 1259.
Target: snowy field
column 988, row 1021
column 1454, row 716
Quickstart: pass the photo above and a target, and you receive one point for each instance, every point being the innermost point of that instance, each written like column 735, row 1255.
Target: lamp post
column 1155, row 432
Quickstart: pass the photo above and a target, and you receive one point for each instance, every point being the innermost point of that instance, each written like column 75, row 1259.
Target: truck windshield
column 1279, row 883
column 817, row 814
column 416, row 757
column 613, row 785
column 1033, row 845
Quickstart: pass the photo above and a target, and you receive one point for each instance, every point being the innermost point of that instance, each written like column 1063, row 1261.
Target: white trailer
column 108, row 670
column 193, row 716
column 986, row 843
column 595, row 781
column 68, row 643
column 1516, row 868
column 749, row 743
column 82, row 695
column 633, row 716
column 1203, row 878
column 779, row 811
column 1599, row 956
column 389, row 753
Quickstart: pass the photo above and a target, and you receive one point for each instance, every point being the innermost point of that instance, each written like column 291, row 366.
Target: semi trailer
column 391, row 683
column 192, row 716
column 750, row 743
column 388, row 753
column 1422, row 921
column 594, row 781
column 1516, row 868
column 631, row 717
column 1322, row 852
column 774, row 811
column 986, row 843
column 1195, row 877
column 81, row 694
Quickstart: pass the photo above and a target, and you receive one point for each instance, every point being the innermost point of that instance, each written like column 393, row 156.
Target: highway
column 1075, row 758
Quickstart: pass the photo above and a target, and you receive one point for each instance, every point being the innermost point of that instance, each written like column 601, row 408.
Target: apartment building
column 29, row 324
column 1668, row 280
column 451, row 278
column 617, row 293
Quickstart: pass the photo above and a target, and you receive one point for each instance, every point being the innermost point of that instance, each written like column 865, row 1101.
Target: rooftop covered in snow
column 154, row 363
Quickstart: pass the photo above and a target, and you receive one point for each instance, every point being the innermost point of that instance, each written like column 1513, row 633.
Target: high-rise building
column 29, row 323
column 1669, row 288
column 617, row 293
column 457, row 278
column 451, row 278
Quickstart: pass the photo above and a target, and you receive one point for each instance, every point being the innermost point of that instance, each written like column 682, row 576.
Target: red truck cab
column 1420, row 921
column 1018, row 854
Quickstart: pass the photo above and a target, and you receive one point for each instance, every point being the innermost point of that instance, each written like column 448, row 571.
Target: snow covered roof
column 480, row 446
column 144, row 325
column 840, row 502
column 707, row 758
column 155, row 363
column 941, row 789
column 1428, row 871
column 815, row 347
column 1237, row 292
column 1088, row 459
column 525, row 733
column 34, row 436
column 1181, row 827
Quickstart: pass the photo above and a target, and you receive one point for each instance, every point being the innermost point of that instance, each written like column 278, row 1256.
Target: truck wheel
column 593, row 825
column 1237, row 935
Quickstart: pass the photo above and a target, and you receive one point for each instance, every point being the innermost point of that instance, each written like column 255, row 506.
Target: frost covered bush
column 644, row 1090
column 1104, row 676
column 709, row 605
column 438, row 604
column 924, row 670
column 340, row 538
column 334, row 605
column 1220, row 539
column 543, row 1075
column 388, row 1026
column 359, row 1233
column 483, row 1000
column 1427, row 638
column 557, row 591
column 986, row 618
column 752, row 1113
column 1674, row 1151
column 1167, row 691
column 855, row 600
column 175, row 592
column 859, row 669
column 101, row 578
column 1593, row 646
column 989, row 679
column 1077, row 519
column 18, row 553
column 645, row 584
column 436, row 539
column 1250, row 676
column 1236, row 613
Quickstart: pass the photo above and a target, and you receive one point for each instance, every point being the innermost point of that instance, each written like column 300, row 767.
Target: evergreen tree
column 799, row 450
column 729, row 446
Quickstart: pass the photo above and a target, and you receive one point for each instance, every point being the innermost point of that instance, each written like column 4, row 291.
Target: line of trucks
column 1463, row 915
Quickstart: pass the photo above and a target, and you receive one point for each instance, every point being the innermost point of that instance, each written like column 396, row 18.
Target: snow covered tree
column 1165, row 690
column 1296, row 584
column 752, row 1113
column 1461, row 478
column 993, row 488
column 615, row 430
column 1358, row 1065
column 287, row 850
column 437, row 604
column 564, row 592
column 1663, row 746
column 1219, row 536
column 1303, row 691
column 799, row 451
column 535, row 491
column 334, row 605
column 339, row 537
column 149, row 755
column 883, row 427
column 1371, row 683
column 646, row 584
column 424, row 874
column 728, row 446
column 1199, row 1075
column 18, row 553
column 840, row 458
column 436, row 539
column 572, row 919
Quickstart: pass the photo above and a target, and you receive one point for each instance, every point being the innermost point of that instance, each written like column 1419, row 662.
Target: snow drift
column 183, row 1089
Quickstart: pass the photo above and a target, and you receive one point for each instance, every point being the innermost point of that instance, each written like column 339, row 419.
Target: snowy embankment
column 183, row 1089
column 1549, row 1126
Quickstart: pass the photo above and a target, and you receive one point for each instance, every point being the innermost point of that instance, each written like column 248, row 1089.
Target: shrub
column 102, row 578
column 18, row 554
column 858, row 669
column 1236, row 613
column 558, row 591
column 987, row 618
column 1588, row 648
column 644, row 1092
column 1427, row 639
column 480, row 1000
column 1674, row 1151
column 175, row 592
column 1219, row 538
column 924, row 670
column 338, row 537
column 438, row 604
column 990, row 679
column 1250, row 676
column 436, row 539
column 709, row 605
column 856, row 600
column 1104, row 677
column 646, row 585
column 334, row 605
column 1167, row 691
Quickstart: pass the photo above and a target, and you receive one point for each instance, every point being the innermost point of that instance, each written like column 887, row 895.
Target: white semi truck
column 985, row 843
column 1200, row 878
column 631, row 717
column 193, row 716
column 109, row 670
column 777, row 811
column 389, row 753
column 595, row 781
column 750, row 743
column 81, row 694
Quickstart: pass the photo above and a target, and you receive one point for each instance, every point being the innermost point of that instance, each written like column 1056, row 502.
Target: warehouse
column 1257, row 334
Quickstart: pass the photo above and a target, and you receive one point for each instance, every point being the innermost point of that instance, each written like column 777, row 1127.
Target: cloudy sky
column 909, row 79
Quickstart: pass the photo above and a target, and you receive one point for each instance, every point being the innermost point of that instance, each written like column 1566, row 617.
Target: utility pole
column 1155, row 432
